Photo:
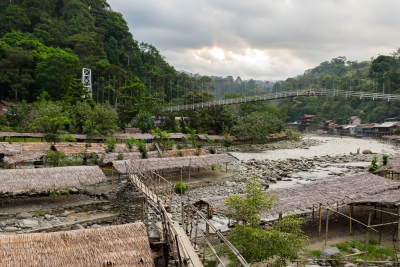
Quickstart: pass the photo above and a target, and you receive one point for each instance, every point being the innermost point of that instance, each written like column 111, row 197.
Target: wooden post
column 204, row 250
column 351, row 214
column 112, row 178
column 218, row 249
column 327, row 223
column 398, row 228
column 189, row 168
column 183, row 220
column 366, row 246
column 313, row 212
column 226, row 170
column 375, row 211
column 94, row 191
column 207, row 226
column 380, row 230
column 319, row 225
column 142, row 215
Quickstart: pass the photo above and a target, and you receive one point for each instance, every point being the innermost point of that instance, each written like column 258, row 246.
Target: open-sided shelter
column 343, row 190
column 171, row 163
column 20, row 158
column 390, row 171
column 122, row 245
column 50, row 178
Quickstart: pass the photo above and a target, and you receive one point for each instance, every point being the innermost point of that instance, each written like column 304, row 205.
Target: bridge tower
column 87, row 79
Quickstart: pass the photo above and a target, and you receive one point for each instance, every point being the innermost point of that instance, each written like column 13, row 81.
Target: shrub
column 212, row 150
column 120, row 156
column 129, row 143
column 180, row 187
column 111, row 145
column 179, row 153
column 385, row 160
column 142, row 149
column 8, row 139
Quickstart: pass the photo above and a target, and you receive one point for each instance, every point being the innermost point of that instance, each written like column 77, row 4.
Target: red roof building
column 306, row 121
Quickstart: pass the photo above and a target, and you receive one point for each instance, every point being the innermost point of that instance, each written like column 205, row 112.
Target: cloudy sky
column 262, row 39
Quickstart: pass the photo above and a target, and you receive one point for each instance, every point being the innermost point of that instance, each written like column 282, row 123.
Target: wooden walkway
column 287, row 94
column 186, row 250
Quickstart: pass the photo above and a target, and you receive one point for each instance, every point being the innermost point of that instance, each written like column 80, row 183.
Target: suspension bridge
column 181, row 244
column 286, row 94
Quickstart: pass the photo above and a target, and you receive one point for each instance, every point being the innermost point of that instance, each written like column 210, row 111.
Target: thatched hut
column 390, row 171
column 10, row 149
column 21, row 158
column 171, row 163
column 122, row 245
column 50, row 178
column 362, row 187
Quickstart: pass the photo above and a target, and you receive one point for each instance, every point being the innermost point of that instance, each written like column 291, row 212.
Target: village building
column 306, row 121
column 354, row 120
column 366, row 130
column 327, row 126
column 386, row 128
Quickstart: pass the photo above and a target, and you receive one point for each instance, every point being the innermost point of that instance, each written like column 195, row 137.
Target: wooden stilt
column 351, row 214
column 327, row 223
column 398, row 228
column 207, row 226
column 183, row 220
column 189, row 168
column 218, row 250
column 319, row 225
column 375, row 211
column 313, row 212
column 142, row 213
column 226, row 169
column 112, row 178
column 366, row 246
column 381, row 228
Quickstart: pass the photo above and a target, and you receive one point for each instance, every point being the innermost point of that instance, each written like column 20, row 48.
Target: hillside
column 379, row 75
column 45, row 44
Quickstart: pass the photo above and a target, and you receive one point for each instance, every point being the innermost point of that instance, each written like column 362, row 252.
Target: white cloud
column 262, row 39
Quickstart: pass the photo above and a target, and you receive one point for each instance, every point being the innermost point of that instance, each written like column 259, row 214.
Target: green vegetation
column 59, row 159
column 257, row 126
column 162, row 141
column 142, row 148
column 38, row 213
column 180, row 188
column 129, row 142
column 374, row 163
column 376, row 252
column 280, row 244
column 111, row 145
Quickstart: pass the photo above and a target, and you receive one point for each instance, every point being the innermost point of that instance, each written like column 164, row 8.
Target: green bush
column 212, row 150
column 111, row 145
column 180, row 187
column 179, row 153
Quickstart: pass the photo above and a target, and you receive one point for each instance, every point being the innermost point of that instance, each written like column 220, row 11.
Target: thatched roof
column 344, row 190
column 215, row 137
column 50, row 178
column 37, row 147
column 10, row 150
column 23, row 157
column 122, row 245
column 110, row 157
column 393, row 166
column 155, row 164
column 12, row 134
